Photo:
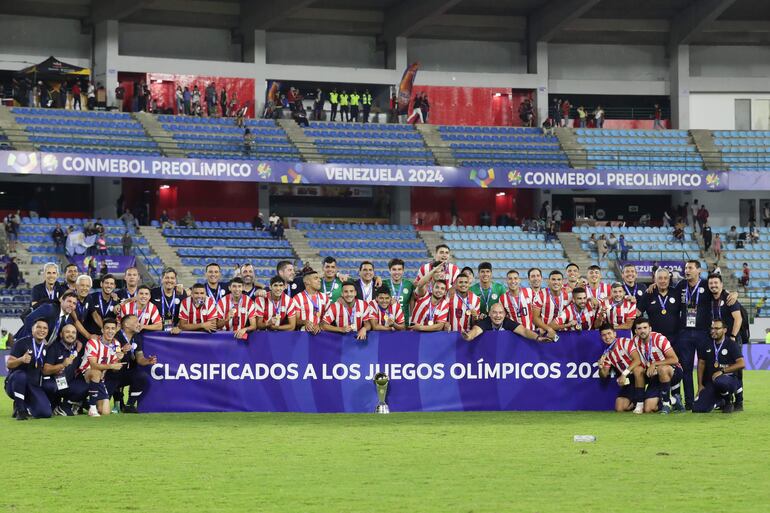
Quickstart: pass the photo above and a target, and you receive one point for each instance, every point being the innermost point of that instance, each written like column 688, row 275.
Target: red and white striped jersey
column 451, row 272
column 147, row 315
column 189, row 313
column 460, row 311
column 338, row 314
column 550, row 305
column 267, row 308
column 602, row 291
column 585, row 318
column 96, row 348
column 529, row 293
column 655, row 348
column 244, row 310
column 518, row 308
column 393, row 312
column 307, row 307
column 619, row 354
column 426, row 313
column 619, row 313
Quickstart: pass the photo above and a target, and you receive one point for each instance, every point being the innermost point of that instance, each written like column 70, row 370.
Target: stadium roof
column 723, row 22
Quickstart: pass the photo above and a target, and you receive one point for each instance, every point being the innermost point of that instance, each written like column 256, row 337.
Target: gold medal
column 663, row 311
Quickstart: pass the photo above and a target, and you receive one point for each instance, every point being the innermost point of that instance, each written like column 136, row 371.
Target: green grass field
column 466, row 462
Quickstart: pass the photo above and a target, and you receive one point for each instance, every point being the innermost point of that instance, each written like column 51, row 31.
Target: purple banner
column 117, row 166
column 332, row 373
column 115, row 264
column 644, row 267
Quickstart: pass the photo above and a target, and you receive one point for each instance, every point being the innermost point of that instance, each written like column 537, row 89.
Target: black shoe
column 22, row 414
column 738, row 407
column 130, row 408
column 728, row 408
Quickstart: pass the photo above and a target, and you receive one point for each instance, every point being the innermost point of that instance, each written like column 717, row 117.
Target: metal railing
column 152, row 271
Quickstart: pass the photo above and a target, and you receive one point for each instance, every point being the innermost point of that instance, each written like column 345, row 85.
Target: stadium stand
column 369, row 143
column 221, row 138
column 5, row 144
column 500, row 145
column 646, row 243
column 744, row 150
column 229, row 244
column 58, row 130
column 505, row 247
column 757, row 255
column 640, row 149
column 352, row 243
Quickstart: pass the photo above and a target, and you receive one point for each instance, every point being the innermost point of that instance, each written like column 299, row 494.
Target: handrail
column 151, row 267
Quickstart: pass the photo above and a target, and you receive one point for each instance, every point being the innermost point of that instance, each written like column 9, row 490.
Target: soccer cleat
column 59, row 412
column 130, row 408
column 639, row 408
column 92, row 412
column 115, row 410
column 738, row 406
column 678, row 404
column 728, row 407
column 665, row 409
column 22, row 414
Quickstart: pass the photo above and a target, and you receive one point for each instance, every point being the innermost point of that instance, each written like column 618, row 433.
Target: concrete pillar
column 679, row 87
column 537, row 63
column 255, row 50
column 401, row 205
column 263, row 201
column 106, row 192
column 104, row 65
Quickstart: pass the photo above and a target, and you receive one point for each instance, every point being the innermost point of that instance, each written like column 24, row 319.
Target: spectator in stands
column 129, row 221
column 550, row 232
column 592, row 242
column 393, row 109
column 599, row 117
column 273, row 219
column 548, row 126
column 179, row 97
column 188, row 220
column 276, row 230
column 187, row 100
column 165, row 221
column 566, row 106
column 702, row 216
column 601, row 248
column 12, row 274
column 745, row 276
column 355, row 99
column 211, row 99
column 766, row 214
column 11, row 231
column 76, row 105
column 657, row 123
column 545, row 211
column 300, row 117
column 318, row 105
column 753, row 234
column 526, row 112
column 707, row 235
column 233, row 107
column 126, row 241
column 195, row 99
column 366, row 101
column 732, row 235
column 248, row 140
column 425, row 107
column 120, row 93
column 58, row 237
column 582, row 116
column 679, row 232
column 258, row 223
column 624, row 247
column 666, row 222
column 416, row 110
column 101, row 244
column 612, row 243
column 717, row 248
column 91, row 96
column 223, row 101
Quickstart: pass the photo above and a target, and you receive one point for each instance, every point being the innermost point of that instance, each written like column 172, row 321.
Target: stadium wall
column 468, row 56
column 177, row 42
column 30, row 40
column 323, row 50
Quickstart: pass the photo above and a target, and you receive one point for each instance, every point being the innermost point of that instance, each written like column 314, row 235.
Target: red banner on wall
column 473, row 105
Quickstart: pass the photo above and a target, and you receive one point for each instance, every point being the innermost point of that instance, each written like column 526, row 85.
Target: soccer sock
column 665, row 393
column 739, row 395
column 639, row 395
column 133, row 397
column 93, row 393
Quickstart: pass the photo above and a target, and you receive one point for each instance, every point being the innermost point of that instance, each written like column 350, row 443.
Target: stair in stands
column 575, row 152
column 712, row 157
column 303, row 250
column 431, row 239
column 164, row 138
column 438, row 147
column 167, row 254
column 575, row 254
column 307, row 149
column 16, row 134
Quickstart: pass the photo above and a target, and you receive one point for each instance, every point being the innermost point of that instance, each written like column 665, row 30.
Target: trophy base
column 382, row 408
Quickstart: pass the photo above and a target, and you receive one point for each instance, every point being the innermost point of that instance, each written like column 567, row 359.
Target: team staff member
column 168, row 299
column 618, row 309
column 662, row 307
column 366, row 282
column 489, row 292
column 61, row 362
column 84, row 310
column 24, row 381
column 385, row 314
column 450, row 270
column 401, row 289
column 730, row 314
column 236, row 312
column 622, row 355
column 578, row 315
column 348, row 314
column 55, row 315
column 717, row 369
column 273, row 310
column 48, row 291
column 132, row 279
column 431, row 311
column 331, row 285
column 214, row 287
column 71, row 272
column 694, row 321
column 497, row 321
column 105, row 301
column 548, row 304
column 294, row 284
column 515, row 303
column 131, row 345
column 145, row 311
column 198, row 312
column 464, row 306
column 663, row 371
column 309, row 306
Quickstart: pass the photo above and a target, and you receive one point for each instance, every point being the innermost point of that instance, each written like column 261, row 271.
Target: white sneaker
column 639, row 408
column 93, row 412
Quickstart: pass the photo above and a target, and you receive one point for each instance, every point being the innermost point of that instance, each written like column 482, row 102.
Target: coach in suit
column 56, row 315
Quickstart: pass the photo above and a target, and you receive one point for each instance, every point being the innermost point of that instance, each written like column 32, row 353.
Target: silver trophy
column 381, row 383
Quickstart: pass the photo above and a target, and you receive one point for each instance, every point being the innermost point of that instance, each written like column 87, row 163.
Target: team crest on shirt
column 671, row 300
column 701, row 290
column 494, row 296
column 406, row 291
column 293, row 286
column 724, row 351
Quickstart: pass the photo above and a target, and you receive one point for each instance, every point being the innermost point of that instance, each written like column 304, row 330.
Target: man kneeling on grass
column 622, row 355
column 664, row 373
column 101, row 354
column 497, row 321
